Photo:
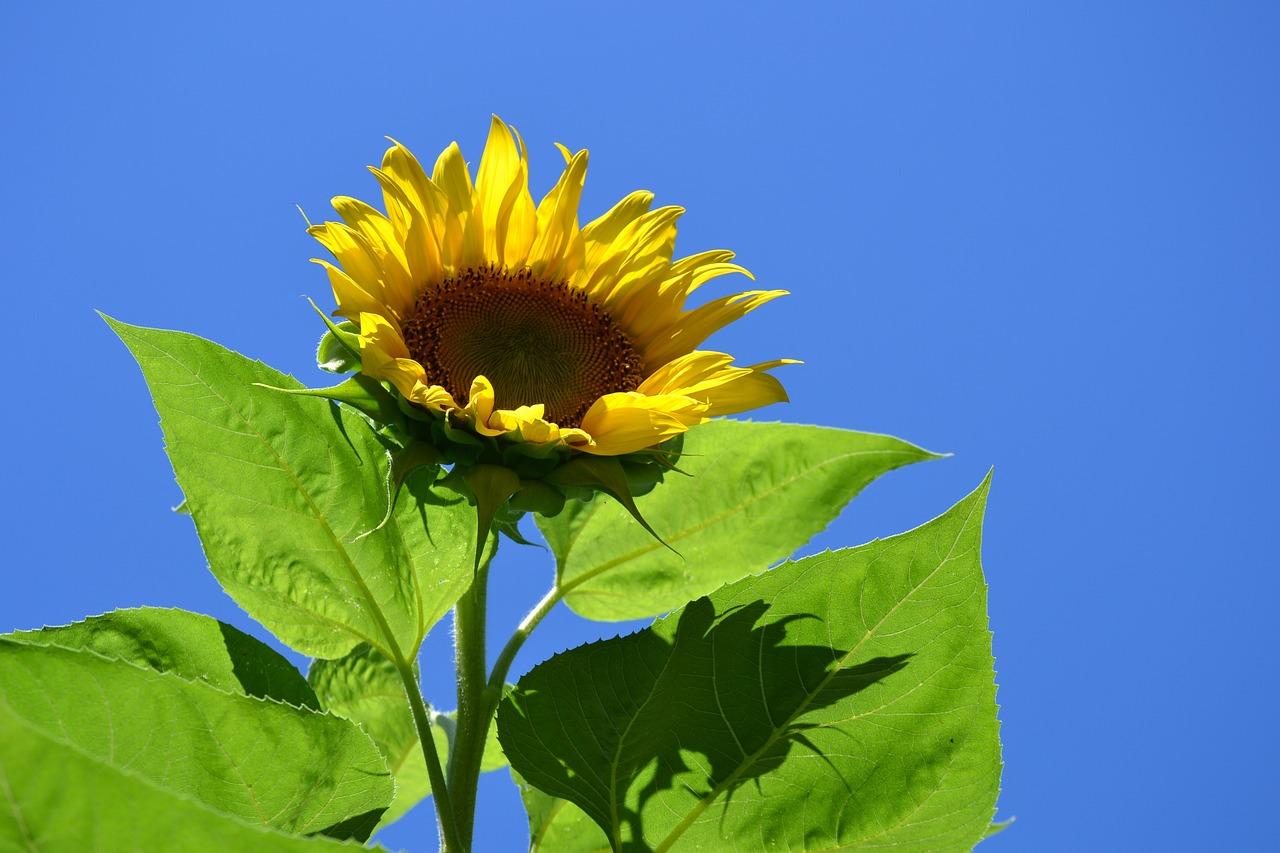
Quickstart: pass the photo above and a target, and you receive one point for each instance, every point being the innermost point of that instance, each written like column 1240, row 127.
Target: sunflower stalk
column 478, row 696
column 475, row 710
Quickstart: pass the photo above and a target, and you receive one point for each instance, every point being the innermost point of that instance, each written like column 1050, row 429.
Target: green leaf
column 192, row 645
column 60, row 799
column 365, row 688
column 844, row 700
column 280, row 487
column 556, row 825
column 265, row 762
column 757, row 493
column 998, row 827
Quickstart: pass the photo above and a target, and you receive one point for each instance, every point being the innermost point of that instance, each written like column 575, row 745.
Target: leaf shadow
column 423, row 489
column 356, row 828
column 733, row 690
column 261, row 676
column 335, row 412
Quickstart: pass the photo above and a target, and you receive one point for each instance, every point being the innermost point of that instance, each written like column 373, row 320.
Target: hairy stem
column 449, row 840
column 473, row 715
column 498, row 678
column 477, row 699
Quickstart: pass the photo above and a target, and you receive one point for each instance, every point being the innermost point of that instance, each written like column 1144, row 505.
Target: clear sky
column 1044, row 236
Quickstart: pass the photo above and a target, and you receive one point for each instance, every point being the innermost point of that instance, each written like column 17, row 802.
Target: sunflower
column 508, row 318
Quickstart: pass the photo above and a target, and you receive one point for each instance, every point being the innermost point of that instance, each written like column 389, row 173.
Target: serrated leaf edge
column 124, row 771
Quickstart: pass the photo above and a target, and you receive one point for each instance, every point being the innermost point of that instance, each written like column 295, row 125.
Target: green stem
column 472, row 729
column 477, row 699
column 498, row 678
column 449, row 840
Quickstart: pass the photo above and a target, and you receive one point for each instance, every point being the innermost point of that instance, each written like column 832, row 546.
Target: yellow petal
column 352, row 299
column 384, row 335
column 644, row 304
column 479, row 409
column 640, row 252
column 574, row 437
column 383, row 355
column 433, row 397
column 537, row 410
column 689, row 372
column 401, row 209
column 451, row 176
column 419, row 232
column 558, row 220
column 697, row 325
column 628, row 421
column 517, row 221
column 539, row 431
column 399, row 164
column 691, row 262
column 705, row 272
column 506, row 215
column 608, row 226
column 354, row 253
column 744, row 392
column 529, row 422
column 655, row 308
column 711, row 378
column 382, row 238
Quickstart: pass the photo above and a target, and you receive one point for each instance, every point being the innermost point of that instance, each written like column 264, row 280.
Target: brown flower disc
column 537, row 341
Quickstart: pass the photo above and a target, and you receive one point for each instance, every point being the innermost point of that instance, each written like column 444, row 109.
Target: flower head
column 537, row 359
column 505, row 318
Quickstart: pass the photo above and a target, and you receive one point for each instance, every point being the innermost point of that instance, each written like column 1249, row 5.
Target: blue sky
column 1041, row 236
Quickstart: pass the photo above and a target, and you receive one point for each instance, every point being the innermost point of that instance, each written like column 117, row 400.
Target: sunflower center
column 537, row 341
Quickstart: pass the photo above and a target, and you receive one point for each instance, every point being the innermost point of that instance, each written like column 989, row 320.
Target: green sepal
column 529, row 450
column 334, row 353
column 666, row 454
column 404, row 461
column 537, row 496
column 642, row 477
column 488, row 487
column 459, row 436
column 416, row 413
column 362, row 393
column 461, row 446
column 645, row 469
column 512, row 532
column 530, row 462
column 606, row 474
column 508, row 524
column 339, row 348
